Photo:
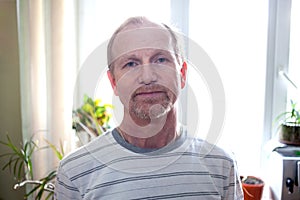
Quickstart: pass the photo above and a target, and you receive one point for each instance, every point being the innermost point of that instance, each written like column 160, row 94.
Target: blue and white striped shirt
column 109, row 168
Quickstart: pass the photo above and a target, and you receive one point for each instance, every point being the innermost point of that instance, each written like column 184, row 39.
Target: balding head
column 140, row 28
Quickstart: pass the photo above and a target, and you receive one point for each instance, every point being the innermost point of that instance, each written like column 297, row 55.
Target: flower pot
column 252, row 188
column 289, row 133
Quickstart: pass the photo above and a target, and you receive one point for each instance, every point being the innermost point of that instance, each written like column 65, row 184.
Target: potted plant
column 19, row 162
column 252, row 187
column 289, row 128
column 92, row 116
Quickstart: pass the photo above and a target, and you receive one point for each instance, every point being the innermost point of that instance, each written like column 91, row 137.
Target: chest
column 185, row 177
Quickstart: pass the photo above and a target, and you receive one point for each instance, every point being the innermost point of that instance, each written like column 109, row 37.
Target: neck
column 156, row 134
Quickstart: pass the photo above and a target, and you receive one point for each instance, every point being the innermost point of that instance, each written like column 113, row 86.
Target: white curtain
column 47, row 45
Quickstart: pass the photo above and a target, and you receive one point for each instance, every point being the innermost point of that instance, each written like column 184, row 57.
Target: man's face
column 145, row 72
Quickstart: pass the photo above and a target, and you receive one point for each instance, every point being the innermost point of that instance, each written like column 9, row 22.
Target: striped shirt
column 110, row 168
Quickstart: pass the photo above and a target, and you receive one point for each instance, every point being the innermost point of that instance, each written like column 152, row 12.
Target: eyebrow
column 133, row 56
column 127, row 57
column 163, row 53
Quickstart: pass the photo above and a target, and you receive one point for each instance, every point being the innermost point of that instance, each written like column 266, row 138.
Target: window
column 234, row 35
column 294, row 59
column 283, row 63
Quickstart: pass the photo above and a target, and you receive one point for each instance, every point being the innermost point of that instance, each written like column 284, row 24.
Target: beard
column 152, row 107
column 147, row 110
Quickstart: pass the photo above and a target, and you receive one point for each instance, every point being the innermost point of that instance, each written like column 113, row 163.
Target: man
column 149, row 155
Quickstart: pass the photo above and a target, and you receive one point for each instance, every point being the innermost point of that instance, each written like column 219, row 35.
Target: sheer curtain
column 48, row 67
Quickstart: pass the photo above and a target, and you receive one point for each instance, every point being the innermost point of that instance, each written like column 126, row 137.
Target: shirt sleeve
column 234, row 191
column 64, row 187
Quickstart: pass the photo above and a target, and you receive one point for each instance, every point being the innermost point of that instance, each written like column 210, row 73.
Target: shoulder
column 209, row 151
column 84, row 154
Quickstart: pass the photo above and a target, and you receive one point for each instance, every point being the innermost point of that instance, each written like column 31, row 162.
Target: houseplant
column 92, row 116
column 252, row 187
column 289, row 126
column 19, row 162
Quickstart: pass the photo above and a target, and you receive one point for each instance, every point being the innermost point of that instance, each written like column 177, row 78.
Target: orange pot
column 253, row 191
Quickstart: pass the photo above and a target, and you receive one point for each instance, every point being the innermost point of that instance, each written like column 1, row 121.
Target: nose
column 147, row 75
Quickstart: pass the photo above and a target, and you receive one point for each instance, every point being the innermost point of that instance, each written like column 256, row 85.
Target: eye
column 161, row 60
column 131, row 64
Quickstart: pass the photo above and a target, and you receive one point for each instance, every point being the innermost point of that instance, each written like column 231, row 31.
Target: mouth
column 149, row 94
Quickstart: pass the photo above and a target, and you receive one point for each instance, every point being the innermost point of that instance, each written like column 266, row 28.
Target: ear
column 183, row 71
column 112, row 82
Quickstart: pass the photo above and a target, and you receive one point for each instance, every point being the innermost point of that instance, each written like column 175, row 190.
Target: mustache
column 149, row 89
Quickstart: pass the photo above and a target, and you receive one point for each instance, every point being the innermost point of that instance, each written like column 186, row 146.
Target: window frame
column 180, row 17
column 277, row 61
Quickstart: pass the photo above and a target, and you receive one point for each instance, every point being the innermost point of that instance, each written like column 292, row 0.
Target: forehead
column 133, row 39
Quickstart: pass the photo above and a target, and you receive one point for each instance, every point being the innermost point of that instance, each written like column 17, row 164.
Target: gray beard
column 154, row 111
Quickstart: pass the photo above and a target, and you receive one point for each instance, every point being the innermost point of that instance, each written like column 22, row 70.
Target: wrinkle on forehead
column 140, row 38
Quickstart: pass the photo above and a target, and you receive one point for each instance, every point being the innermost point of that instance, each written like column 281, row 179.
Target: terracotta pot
column 289, row 133
column 253, row 191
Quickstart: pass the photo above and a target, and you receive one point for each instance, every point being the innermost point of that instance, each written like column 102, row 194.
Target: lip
column 150, row 94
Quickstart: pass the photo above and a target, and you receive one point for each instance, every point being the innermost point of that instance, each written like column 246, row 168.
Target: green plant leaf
column 291, row 115
column 91, row 102
column 20, row 158
column 30, row 170
column 45, row 180
column 40, row 192
column 87, row 108
column 32, row 191
column 92, row 116
column 57, row 152
column 16, row 167
column 12, row 146
column 6, row 154
column 108, row 106
column 20, row 169
column 49, row 196
column 85, row 98
column 280, row 117
column 61, row 148
column 9, row 163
